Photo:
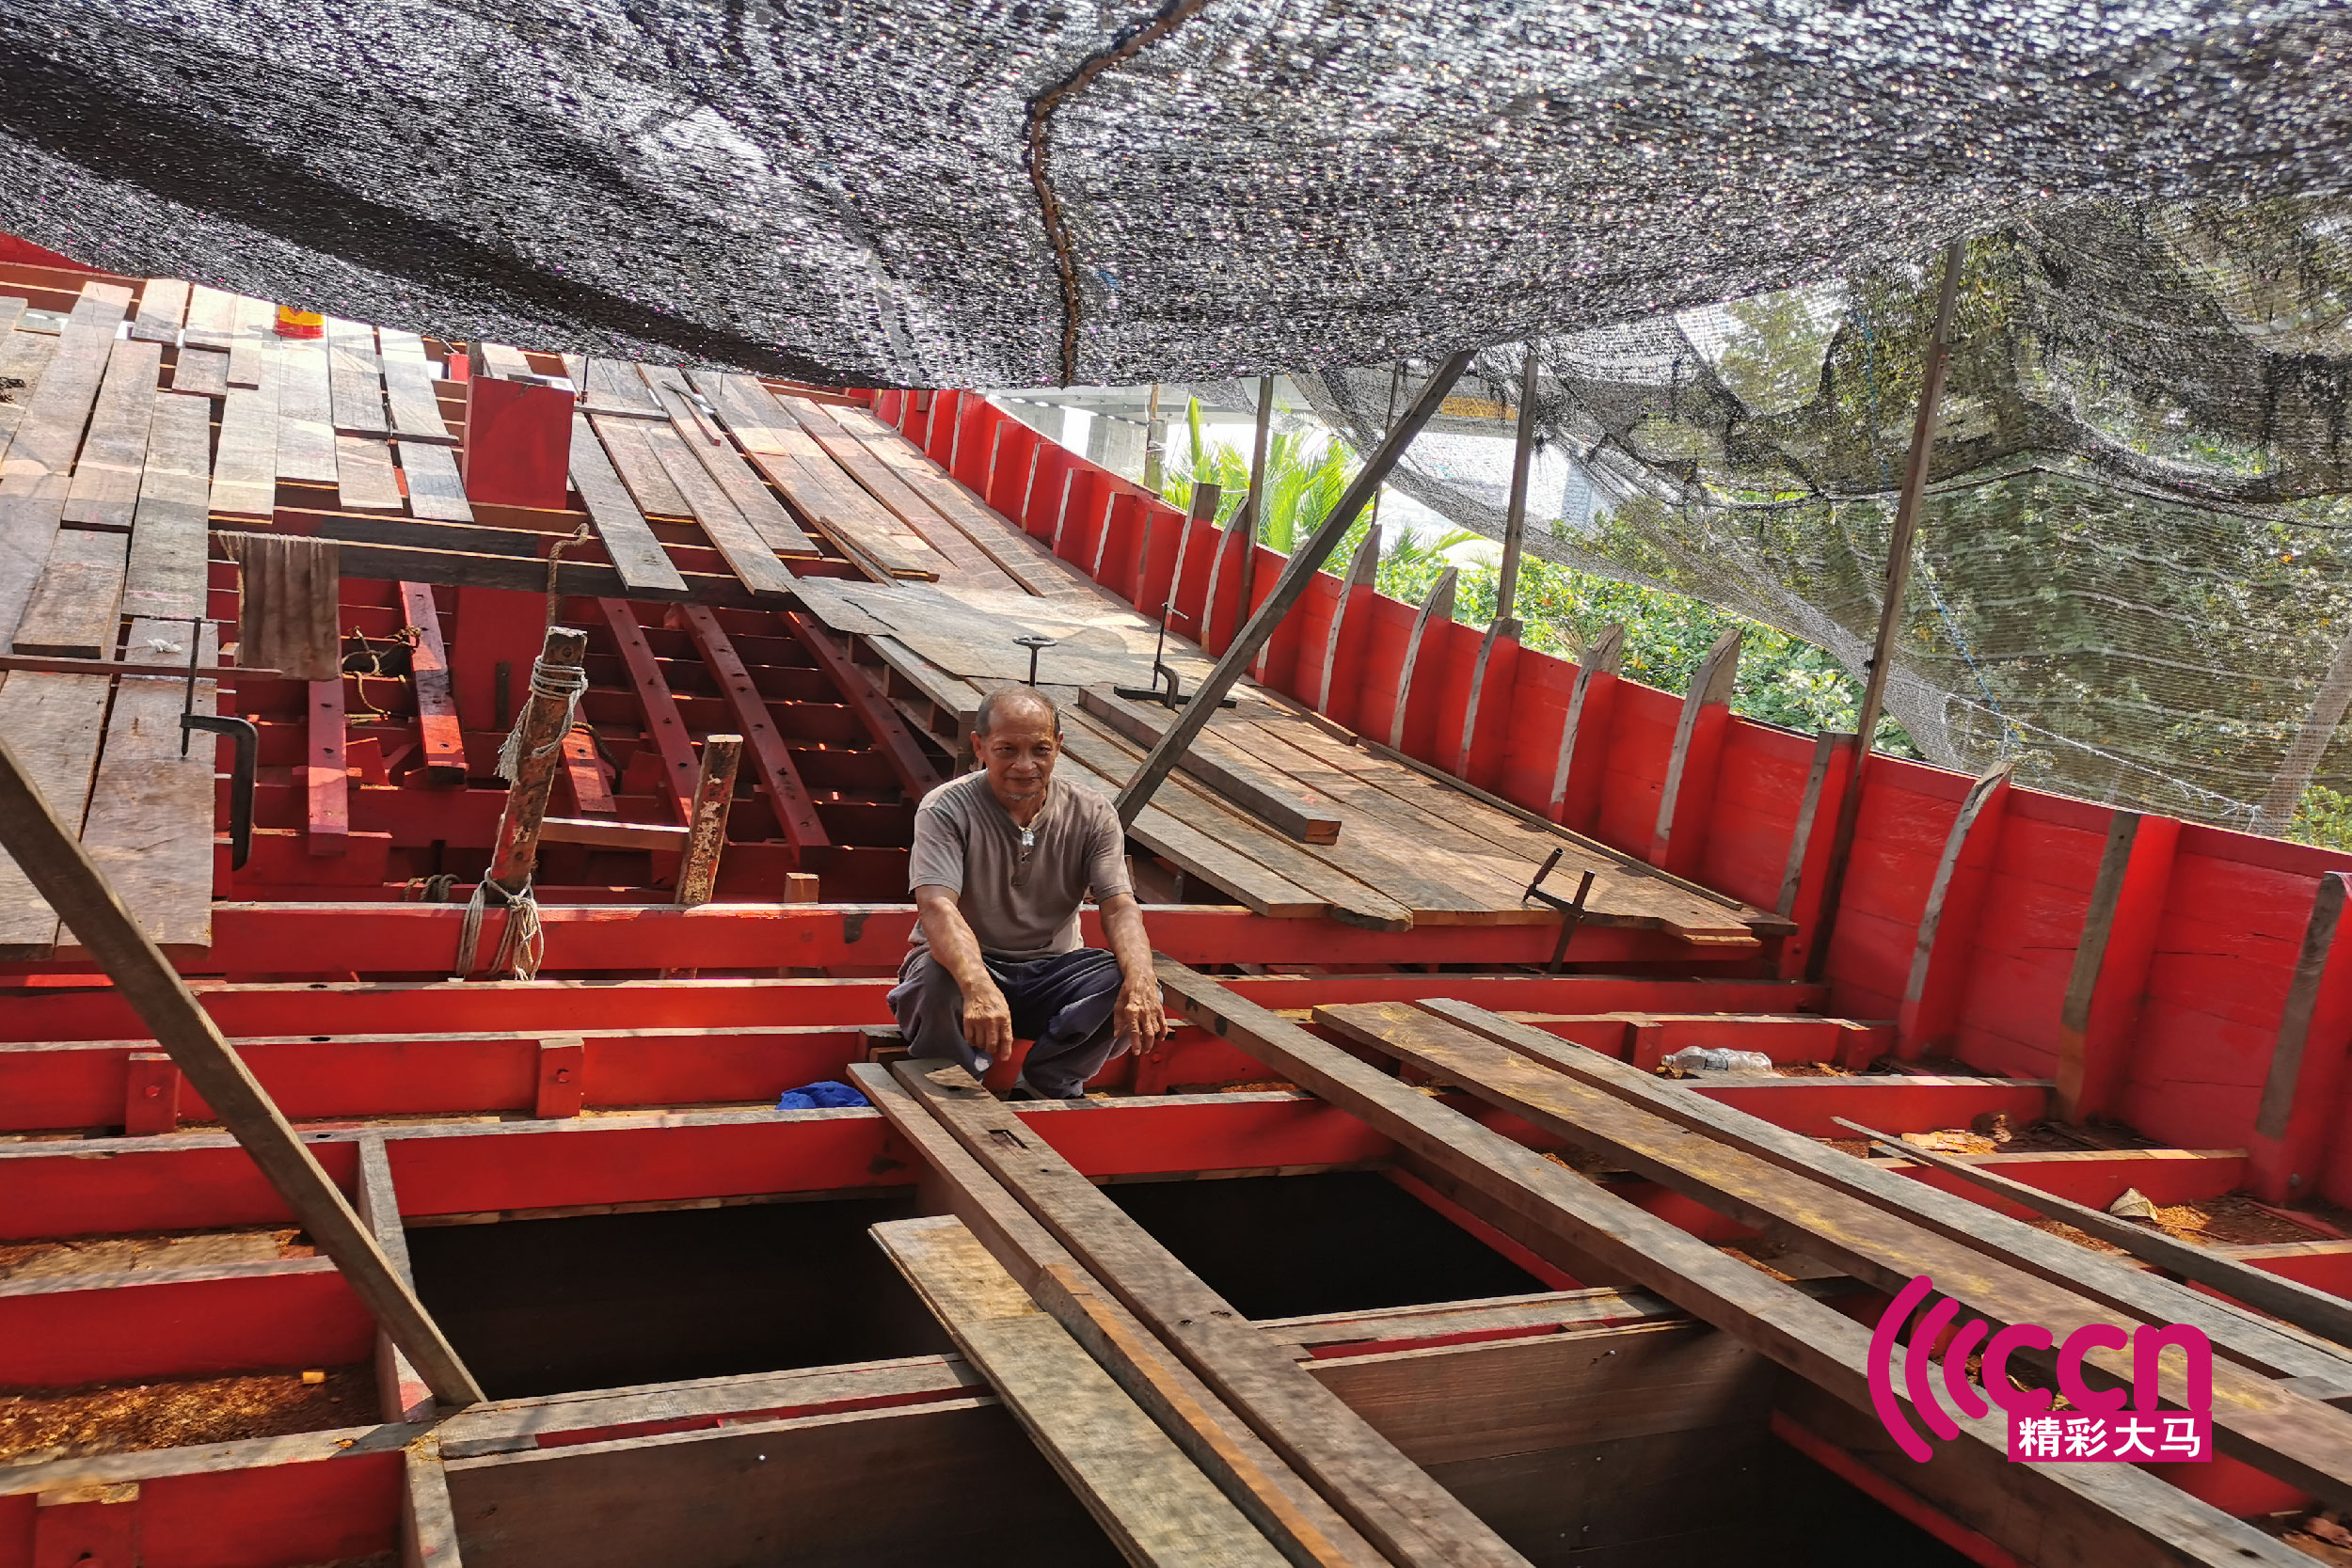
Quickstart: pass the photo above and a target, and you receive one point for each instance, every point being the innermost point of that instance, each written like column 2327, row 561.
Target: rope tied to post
column 566, row 682
column 521, row 946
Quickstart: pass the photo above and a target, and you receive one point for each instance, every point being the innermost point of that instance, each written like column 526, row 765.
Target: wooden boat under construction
column 1405, row 1248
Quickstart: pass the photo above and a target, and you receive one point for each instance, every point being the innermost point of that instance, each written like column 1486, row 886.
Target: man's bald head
column 1007, row 701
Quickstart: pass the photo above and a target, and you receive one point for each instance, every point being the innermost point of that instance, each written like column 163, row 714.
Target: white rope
column 565, row 681
column 521, row 947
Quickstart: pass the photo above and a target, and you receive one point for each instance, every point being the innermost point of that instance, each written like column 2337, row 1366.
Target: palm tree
column 1304, row 479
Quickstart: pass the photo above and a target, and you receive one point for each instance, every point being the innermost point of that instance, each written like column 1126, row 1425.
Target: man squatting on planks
column 1002, row 859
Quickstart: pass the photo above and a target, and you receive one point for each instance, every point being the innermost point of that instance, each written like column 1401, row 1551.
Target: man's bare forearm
column 1122, row 928
column 953, row 946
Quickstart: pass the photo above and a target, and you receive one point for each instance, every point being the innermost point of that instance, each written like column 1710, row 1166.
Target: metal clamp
column 1571, row 909
column 1036, row 644
column 248, row 753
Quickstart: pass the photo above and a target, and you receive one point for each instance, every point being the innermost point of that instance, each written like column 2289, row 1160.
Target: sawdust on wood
column 137, row 1254
column 2231, row 1220
column 77, row 1423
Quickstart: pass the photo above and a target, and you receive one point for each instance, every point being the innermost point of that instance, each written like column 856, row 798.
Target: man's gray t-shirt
column 1021, row 905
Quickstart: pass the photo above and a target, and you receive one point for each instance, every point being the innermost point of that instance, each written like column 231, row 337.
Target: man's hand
column 987, row 1021
column 1141, row 1023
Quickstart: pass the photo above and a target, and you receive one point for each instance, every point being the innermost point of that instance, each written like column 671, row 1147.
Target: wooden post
column 1809, row 847
column 1154, row 443
column 1306, row 561
column 1252, row 525
column 2298, row 1103
column 440, row 741
column 2100, row 1015
column 1947, row 927
column 706, row 835
column 1438, row 607
column 327, row 776
column 545, row 723
column 1891, row 607
column 56, row 866
column 1502, row 636
column 1348, row 614
column 1515, row 519
column 1585, row 734
column 1684, row 803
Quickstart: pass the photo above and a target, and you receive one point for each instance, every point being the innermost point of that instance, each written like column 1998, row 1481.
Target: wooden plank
column 504, row 362
column 363, row 475
column 434, row 489
column 53, row 723
column 665, row 728
column 581, row 767
column 75, row 605
column 212, row 319
column 150, row 824
column 306, row 415
column 2292, row 1120
column 788, row 796
column 440, row 741
column 1154, row 1502
column 1276, row 800
column 106, row 489
column 636, row 554
column 253, row 352
column 163, row 304
column 201, row 371
column 1590, row 698
column 169, row 532
column 353, row 378
column 836, row 507
column 35, row 476
column 25, row 359
column 416, row 404
column 1399, row 1509
column 707, row 819
column 742, row 488
column 2052, row 1257
column 664, row 837
column 615, row 388
column 750, row 558
column 400, row 346
column 325, row 772
column 896, row 459
column 2132, row 1512
column 2298, row 1439
column 656, row 494
column 2098, row 1019
column 244, row 462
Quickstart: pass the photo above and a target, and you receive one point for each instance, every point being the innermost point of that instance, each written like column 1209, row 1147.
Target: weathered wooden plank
column 244, row 462
column 169, row 542
column 53, row 724
column 163, row 304
column 1399, row 1509
column 72, row 612
column 25, row 358
column 402, row 347
column 2131, row 1513
column 416, row 403
column 615, row 388
column 439, row 738
column 1154, row 1503
column 788, row 795
column 954, row 504
column 306, row 415
column 743, row 488
column 649, row 484
column 203, row 372
column 1276, row 800
column 212, row 319
column 36, row 474
column 105, row 487
column 504, row 362
column 253, row 352
column 355, row 380
column 636, row 554
column 150, row 826
column 750, row 556
column 434, row 489
column 363, row 475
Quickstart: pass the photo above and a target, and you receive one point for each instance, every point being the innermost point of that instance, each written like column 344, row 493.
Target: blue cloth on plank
column 824, row 1095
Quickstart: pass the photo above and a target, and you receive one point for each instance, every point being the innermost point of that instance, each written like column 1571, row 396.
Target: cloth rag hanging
column 288, row 589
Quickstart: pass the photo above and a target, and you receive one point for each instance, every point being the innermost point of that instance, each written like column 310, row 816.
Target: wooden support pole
column 2299, row 1106
column 2100, row 1016
column 707, row 832
column 1947, row 926
column 1891, row 605
column 1809, row 847
column 440, row 741
column 58, row 866
column 326, row 774
column 1515, row 517
column 1252, row 525
column 401, row 1394
column 1306, row 561
column 545, row 719
column 1497, row 660
column 1437, row 608
column 1688, row 798
column 1584, row 733
column 1347, row 615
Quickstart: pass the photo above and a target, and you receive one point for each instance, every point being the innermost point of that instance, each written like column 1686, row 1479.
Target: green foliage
column 1305, row 476
column 2324, row 817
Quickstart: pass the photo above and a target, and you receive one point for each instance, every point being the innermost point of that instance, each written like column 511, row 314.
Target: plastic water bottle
column 1701, row 1058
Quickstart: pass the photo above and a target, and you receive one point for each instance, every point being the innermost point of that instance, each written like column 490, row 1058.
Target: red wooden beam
column 795, row 811
column 890, row 735
column 665, row 727
column 592, row 793
column 440, row 740
column 326, row 778
column 2100, row 1015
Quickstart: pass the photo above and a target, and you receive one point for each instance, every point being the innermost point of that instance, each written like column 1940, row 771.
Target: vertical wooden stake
column 326, row 775
column 1684, row 804
column 440, row 741
column 2299, row 1096
column 1515, row 519
column 1503, row 637
column 1585, row 734
column 1947, row 927
column 2100, row 1016
column 1439, row 608
column 1252, row 525
column 707, row 835
column 1347, row 617
column 545, row 721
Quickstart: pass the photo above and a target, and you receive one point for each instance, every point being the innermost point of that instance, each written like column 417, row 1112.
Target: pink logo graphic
column 2097, row 1428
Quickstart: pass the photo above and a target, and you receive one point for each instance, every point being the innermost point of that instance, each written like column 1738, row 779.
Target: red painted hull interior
column 696, row 1353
